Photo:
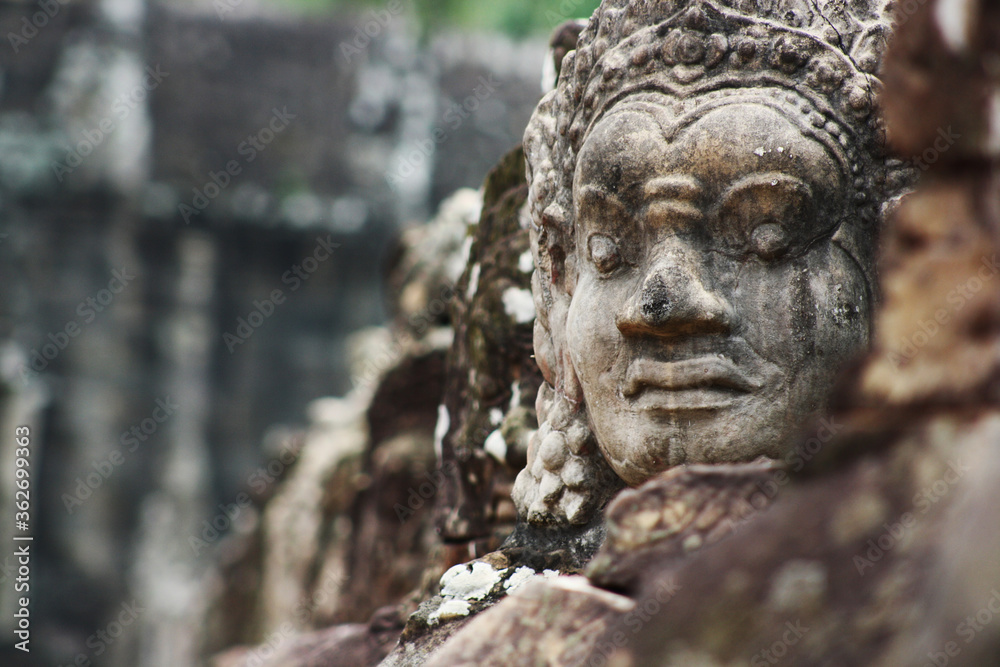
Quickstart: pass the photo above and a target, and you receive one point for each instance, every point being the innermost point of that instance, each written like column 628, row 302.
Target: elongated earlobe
column 566, row 480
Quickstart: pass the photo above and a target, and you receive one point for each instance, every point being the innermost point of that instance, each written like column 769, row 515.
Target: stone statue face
column 710, row 308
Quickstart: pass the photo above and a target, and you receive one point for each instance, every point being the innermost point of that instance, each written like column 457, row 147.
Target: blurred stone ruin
column 367, row 560
column 114, row 116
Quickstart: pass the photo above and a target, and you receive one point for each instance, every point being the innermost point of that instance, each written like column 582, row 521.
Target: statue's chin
column 638, row 451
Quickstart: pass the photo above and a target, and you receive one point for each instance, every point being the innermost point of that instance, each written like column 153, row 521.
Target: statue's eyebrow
column 768, row 181
column 676, row 186
column 672, row 197
column 592, row 195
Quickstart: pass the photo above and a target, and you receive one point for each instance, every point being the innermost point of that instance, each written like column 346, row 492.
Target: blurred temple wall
column 194, row 209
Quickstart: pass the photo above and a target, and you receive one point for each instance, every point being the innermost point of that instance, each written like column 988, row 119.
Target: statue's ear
column 552, row 285
column 558, row 247
column 563, row 265
column 570, row 274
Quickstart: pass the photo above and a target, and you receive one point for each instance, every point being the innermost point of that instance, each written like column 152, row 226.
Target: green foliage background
column 517, row 18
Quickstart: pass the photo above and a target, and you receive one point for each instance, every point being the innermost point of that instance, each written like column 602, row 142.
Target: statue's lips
column 701, row 383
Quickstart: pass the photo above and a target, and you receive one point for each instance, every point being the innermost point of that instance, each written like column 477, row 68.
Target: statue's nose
column 673, row 300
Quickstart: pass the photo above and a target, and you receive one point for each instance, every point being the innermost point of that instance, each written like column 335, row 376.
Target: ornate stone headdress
column 813, row 60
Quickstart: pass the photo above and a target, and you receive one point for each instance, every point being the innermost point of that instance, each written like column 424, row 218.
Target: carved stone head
column 706, row 187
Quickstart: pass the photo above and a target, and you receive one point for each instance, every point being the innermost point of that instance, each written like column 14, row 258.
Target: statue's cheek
column 808, row 313
column 843, row 306
column 592, row 336
column 584, row 334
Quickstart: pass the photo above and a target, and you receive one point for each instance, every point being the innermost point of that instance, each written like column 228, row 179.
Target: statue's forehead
column 633, row 141
column 627, row 134
column 625, row 146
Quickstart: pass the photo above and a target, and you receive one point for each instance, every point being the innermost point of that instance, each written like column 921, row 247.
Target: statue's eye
column 604, row 253
column 769, row 241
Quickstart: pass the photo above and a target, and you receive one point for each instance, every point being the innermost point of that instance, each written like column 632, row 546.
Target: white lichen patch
column 469, row 582
column 441, row 429
column 519, row 304
column 473, row 282
column 526, row 263
column 496, row 446
column 515, row 395
column 521, row 576
column 466, row 252
column 449, row 609
column 549, row 75
column 954, row 18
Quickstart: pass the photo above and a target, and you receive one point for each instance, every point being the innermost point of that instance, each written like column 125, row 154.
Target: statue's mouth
column 702, row 383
